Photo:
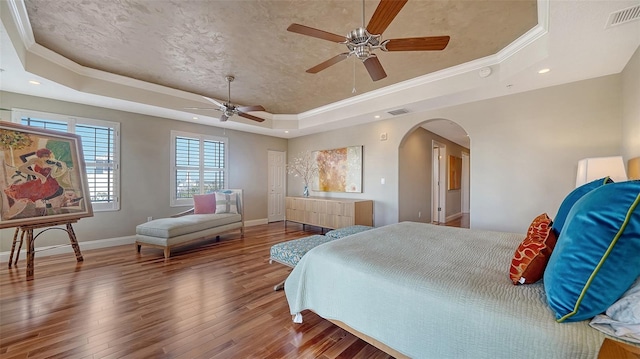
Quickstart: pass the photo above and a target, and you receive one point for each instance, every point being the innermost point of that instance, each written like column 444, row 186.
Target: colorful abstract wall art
column 339, row 170
column 455, row 173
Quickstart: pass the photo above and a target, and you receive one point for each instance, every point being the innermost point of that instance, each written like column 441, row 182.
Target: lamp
column 634, row 168
column 590, row 169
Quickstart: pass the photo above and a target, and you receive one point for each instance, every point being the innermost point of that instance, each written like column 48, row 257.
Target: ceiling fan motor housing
column 361, row 43
column 358, row 36
column 230, row 110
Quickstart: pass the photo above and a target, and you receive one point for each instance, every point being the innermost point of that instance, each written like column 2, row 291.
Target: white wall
column 525, row 148
column 631, row 108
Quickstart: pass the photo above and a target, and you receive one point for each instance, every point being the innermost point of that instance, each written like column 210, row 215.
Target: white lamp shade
column 590, row 169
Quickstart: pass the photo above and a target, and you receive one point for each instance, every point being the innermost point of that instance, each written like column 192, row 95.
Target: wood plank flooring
column 209, row 300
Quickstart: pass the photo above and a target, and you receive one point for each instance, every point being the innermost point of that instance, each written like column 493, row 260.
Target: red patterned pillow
column 531, row 257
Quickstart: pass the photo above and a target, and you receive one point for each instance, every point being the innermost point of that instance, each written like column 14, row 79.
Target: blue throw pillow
column 597, row 257
column 570, row 200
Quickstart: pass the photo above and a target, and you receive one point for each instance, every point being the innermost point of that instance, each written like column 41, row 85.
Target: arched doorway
column 434, row 173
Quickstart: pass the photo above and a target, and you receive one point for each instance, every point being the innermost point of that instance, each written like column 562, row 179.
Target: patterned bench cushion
column 346, row 231
column 290, row 252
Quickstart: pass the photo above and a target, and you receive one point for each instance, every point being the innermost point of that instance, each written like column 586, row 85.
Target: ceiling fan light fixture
column 362, row 52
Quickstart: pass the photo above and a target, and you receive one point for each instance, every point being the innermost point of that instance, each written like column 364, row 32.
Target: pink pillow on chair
column 204, row 203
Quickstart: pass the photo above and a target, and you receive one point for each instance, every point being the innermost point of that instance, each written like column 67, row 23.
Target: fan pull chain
column 354, row 76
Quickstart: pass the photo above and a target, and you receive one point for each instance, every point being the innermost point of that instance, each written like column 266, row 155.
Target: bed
column 442, row 292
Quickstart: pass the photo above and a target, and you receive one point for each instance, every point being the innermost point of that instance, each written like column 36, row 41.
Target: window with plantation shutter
column 97, row 147
column 198, row 166
column 100, row 143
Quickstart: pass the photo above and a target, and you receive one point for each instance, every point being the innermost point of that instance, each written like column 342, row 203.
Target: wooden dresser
column 329, row 212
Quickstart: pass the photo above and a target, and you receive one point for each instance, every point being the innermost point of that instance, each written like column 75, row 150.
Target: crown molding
column 522, row 42
column 21, row 19
column 103, row 83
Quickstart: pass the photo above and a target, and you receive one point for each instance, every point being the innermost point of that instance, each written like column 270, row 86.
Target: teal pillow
column 570, row 200
column 597, row 257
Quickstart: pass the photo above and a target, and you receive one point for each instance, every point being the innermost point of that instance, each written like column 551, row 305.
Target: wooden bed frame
column 611, row 349
column 614, row 349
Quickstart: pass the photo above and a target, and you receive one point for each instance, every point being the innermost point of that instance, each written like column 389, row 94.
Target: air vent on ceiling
column 623, row 16
column 400, row 111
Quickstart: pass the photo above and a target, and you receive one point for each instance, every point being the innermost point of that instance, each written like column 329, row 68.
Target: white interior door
column 465, row 182
column 438, row 187
column 276, row 184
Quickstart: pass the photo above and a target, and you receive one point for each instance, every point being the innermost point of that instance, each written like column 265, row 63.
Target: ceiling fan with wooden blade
column 228, row 109
column 362, row 41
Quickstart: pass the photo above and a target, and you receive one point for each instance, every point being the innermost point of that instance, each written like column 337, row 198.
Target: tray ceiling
column 191, row 45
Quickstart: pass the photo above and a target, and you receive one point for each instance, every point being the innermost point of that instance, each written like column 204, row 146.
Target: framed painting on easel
column 42, row 177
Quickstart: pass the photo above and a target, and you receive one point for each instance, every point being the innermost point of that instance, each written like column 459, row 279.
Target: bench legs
column 279, row 286
column 167, row 249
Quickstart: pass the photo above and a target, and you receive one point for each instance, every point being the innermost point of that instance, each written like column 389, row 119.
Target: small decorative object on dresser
column 304, row 165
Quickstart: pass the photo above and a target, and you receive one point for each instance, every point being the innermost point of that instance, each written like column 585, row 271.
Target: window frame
column 179, row 202
column 18, row 114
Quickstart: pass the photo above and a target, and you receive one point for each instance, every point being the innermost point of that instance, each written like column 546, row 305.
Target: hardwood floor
column 209, row 300
column 462, row 221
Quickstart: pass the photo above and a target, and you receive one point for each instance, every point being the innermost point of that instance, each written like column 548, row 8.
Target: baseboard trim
column 255, row 222
column 453, row 216
column 97, row 244
column 61, row 249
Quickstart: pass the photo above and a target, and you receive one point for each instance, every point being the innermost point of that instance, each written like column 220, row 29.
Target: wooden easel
column 28, row 229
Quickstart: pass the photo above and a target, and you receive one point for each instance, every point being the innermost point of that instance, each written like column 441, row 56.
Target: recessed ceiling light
column 544, row 71
column 286, row 131
column 194, row 117
column 376, row 116
column 34, row 82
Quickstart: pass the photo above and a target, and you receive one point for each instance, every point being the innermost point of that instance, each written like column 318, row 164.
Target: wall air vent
column 400, row 111
column 623, row 16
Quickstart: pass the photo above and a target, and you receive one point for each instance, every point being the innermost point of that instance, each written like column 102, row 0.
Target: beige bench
column 186, row 226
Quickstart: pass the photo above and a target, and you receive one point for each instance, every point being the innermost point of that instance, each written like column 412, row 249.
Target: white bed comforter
column 435, row 292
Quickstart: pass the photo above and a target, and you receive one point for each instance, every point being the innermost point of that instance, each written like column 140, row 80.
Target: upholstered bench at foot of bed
column 347, row 231
column 289, row 253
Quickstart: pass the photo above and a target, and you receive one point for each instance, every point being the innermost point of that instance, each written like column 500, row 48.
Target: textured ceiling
column 192, row 44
